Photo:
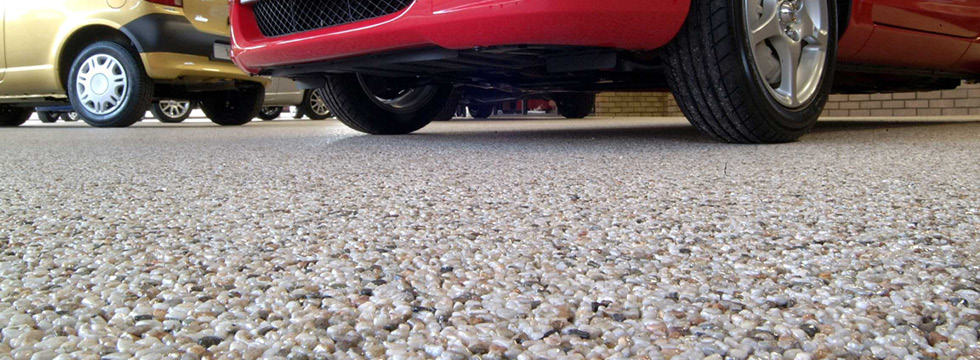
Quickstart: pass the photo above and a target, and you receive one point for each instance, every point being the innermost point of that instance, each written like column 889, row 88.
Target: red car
column 748, row 71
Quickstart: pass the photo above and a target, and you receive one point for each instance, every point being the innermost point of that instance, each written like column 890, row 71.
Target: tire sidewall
column 234, row 107
column 133, row 107
column 352, row 105
column 796, row 120
column 164, row 118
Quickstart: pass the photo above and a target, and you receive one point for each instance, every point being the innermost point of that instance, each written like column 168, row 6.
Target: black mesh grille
column 282, row 17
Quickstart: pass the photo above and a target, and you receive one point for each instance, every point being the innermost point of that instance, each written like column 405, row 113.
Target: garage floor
column 552, row 239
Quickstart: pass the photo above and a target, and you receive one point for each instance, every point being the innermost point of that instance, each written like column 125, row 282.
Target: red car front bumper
column 463, row 24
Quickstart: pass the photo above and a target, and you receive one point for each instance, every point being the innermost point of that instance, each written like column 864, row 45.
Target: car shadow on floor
column 671, row 131
column 552, row 131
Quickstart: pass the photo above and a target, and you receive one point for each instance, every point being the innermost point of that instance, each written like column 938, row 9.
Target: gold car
column 111, row 59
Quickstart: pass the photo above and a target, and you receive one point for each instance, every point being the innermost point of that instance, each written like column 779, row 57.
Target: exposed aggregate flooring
column 601, row 238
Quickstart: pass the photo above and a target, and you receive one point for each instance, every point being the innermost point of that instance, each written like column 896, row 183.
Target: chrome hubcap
column 101, row 84
column 175, row 109
column 789, row 40
column 317, row 102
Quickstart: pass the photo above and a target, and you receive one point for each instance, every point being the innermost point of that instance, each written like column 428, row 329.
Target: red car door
column 931, row 34
column 959, row 18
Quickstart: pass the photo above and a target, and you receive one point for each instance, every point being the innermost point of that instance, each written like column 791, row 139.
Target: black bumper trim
column 172, row 34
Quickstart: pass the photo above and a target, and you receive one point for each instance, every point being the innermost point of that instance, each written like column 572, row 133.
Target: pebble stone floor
column 548, row 239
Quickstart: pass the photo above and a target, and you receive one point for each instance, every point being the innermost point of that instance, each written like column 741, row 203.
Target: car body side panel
column 32, row 31
column 959, row 18
column 37, row 32
column 887, row 45
column 208, row 16
column 283, row 92
column 971, row 59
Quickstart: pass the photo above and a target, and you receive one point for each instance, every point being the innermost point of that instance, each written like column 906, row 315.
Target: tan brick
column 928, row 112
column 968, row 102
column 917, row 103
column 955, row 94
column 838, row 97
column 850, row 105
column 956, row 112
column 974, row 111
column 832, row 106
column 860, row 113
column 837, row 113
column 893, row 104
column 903, row 96
column 859, row 97
column 945, row 103
column 882, row 112
column 973, row 93
column 871, row 104
column 928, row 95
column 881, row 96
column 904, row 112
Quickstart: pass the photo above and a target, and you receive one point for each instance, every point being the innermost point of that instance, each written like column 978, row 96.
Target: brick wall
column 636, row 104
column 962, row 101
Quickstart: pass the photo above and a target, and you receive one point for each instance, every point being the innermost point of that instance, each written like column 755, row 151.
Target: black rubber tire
column 481, row 111
column 711, row 73
column 351, row 104
column 235, row 107
column 269, row 113
column 138, row 93
column 449, row 111
column 306, row 108
column 575, row 105
column 12, row 116
column 164, row 118
column 48, row 117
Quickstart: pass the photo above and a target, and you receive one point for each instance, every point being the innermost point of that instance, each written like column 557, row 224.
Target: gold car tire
column 233, row 107
column 11, row 116
column 48, row 117
column 108, row 87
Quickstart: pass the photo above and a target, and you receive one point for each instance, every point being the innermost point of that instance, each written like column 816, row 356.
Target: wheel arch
column 86, row 35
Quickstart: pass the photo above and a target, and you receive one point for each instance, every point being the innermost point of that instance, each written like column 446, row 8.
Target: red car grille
column 283, row 17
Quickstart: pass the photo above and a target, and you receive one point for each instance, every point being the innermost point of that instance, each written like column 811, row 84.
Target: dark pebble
column 142, row 317
column 367, row 292
column 549, row 333
column 582, row 334
column 209, row 341
column 619, row 317
column 809, row 329
column 445, row 269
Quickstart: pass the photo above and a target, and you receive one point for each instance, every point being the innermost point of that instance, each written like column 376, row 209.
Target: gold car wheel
column 318, row 103
column 101, row 84
column 175, row 109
